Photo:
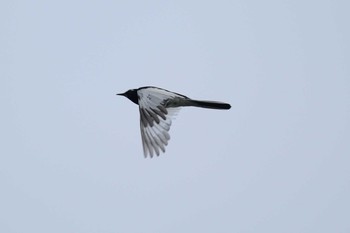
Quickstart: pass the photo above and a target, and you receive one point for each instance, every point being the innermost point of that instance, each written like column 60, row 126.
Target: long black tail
column 210, row 104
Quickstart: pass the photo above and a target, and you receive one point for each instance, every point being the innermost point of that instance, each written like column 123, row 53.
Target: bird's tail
column 209, row 104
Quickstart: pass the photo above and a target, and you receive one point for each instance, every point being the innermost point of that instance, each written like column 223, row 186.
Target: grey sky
column 71, row 153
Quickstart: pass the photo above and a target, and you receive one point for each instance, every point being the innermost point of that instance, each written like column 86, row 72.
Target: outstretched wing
column 155, row 119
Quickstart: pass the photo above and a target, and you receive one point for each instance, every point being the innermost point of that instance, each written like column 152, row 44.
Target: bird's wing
column 155, row 119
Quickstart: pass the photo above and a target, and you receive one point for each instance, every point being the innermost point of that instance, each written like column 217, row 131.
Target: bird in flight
column 158, row 107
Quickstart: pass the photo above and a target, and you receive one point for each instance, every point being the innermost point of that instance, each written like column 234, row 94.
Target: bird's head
column 131, row 95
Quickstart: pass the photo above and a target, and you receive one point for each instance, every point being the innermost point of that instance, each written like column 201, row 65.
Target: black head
column 131, row 95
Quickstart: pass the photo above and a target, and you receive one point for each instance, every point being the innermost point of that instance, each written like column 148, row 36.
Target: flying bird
column 158, row 107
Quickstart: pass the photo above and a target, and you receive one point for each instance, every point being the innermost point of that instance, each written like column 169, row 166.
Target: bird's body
column 157, row 108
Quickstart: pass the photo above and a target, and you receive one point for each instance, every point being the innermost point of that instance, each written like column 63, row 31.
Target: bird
column 158, row 107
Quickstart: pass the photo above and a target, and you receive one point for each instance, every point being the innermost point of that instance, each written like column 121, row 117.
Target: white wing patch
column 155, row 119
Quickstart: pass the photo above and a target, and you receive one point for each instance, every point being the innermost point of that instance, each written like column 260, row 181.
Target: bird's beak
column 123, row 94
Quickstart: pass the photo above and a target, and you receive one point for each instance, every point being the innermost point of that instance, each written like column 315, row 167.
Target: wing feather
column 155, row 119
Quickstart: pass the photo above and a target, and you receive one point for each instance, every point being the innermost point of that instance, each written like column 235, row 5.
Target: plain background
column 71, row 154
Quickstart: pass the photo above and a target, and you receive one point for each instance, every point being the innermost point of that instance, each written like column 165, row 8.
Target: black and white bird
column 157, row 109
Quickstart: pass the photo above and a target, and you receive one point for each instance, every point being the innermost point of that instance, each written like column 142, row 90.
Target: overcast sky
column 71, row 155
